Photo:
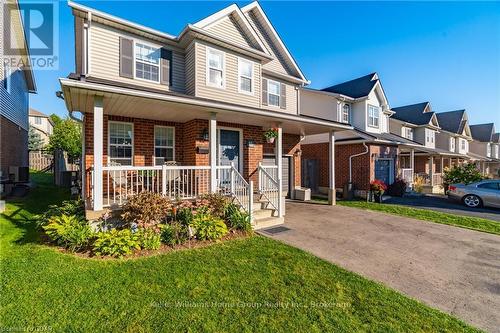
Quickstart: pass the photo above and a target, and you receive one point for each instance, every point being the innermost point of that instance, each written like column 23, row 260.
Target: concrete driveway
column 449, row 268
column 441, row 203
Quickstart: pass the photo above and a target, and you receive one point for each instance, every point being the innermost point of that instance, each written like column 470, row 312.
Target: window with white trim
column 407, row 132
column 38, row 120
column 452, row 144
column 489, row 149
column 120, row 143
column 463, row 144
column 429, row 136
column 215, row 68
column 147, row 62
column 164, row 144
column 346, row 113
column 245, row 76
column 373, row 116
column 273, row 92
column 7, row 74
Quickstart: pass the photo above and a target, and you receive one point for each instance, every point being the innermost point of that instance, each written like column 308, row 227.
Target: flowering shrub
column 398, row 188
column 466, row 174
column 378, row 186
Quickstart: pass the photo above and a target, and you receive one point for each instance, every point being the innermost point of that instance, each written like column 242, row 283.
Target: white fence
column 269, row 185
column 407, row 175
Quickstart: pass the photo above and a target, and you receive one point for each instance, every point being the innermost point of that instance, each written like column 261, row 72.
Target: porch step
column 262, row 213
column 267, row 222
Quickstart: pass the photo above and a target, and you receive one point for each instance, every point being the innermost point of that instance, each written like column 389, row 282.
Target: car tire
column 472, row 201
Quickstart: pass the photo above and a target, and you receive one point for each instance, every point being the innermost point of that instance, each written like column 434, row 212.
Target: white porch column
column 412, row 165
column 442, row 165
column 279, row 162
column 332, row 199
column 431, row 172
column 98, row 153
column 212, row 133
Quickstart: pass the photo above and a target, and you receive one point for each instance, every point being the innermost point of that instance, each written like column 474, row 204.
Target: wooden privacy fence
column 41, row 160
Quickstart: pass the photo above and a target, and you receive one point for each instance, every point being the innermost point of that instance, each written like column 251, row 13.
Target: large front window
column 346, row 113
column 147, row 62
column 164, row 144
column 245, row 72
column 273, row 92
column 215, row 68
column 373, row 116
column 120, row 143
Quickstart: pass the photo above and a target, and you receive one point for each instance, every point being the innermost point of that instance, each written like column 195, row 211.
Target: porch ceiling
column 79, row 96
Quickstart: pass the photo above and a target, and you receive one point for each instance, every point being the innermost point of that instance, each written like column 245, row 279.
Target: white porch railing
column 269, row 185
column 437, row 179
column 407, row 175
column 174, row 182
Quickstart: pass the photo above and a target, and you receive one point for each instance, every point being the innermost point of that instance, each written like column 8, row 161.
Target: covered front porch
column 185, row 147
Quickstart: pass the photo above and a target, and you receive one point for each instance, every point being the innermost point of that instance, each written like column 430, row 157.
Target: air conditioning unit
column 19, row 174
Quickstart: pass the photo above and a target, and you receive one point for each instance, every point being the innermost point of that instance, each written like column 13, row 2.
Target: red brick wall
column 13, row 145
column 363, row 167
column 189, row 136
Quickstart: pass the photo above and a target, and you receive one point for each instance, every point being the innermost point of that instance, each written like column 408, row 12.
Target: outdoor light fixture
column 250, row 143
column 204, row 134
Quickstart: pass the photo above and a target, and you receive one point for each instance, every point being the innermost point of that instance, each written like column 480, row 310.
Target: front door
column 383, row 170
column 229, row 148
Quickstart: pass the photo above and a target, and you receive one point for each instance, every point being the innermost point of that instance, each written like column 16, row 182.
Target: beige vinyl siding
column 190, row 69
column 291, row 97
column 278, row 64
column 228, row 29
column 105, row 58
column 230, row 92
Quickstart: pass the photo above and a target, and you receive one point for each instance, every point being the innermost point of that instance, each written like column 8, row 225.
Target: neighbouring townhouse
column 41, row 124
column 368, row 152
column 186, row 115
column 485, row 147
column 17, row 82
column 454, row 135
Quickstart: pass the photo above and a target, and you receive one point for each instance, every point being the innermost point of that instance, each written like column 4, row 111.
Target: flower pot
column 270, row 140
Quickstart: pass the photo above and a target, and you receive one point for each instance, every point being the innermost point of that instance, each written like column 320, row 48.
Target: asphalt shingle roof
column 356, row 88
column 33, row 112
column 451, row 121
column 482, row 132
column 413, row 114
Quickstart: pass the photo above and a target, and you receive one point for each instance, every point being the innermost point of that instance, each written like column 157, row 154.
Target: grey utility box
column 303, row 194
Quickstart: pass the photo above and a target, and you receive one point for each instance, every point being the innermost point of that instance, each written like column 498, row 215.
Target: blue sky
column 447, row 53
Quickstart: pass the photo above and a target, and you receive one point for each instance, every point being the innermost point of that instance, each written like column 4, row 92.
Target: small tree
column 466, row 174
column 66, row 136
column 35, row 141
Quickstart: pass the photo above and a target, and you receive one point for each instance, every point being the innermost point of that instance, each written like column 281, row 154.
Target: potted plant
column 271, row 134
column 377, row 188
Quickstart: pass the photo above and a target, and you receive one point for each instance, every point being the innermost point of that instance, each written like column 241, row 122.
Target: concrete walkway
column 449, row 268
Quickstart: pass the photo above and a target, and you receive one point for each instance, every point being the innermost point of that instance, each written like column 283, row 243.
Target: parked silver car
column 483, row 193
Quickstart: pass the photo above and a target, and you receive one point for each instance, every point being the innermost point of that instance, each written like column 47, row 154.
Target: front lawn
column 246, row 285
column 468, row 222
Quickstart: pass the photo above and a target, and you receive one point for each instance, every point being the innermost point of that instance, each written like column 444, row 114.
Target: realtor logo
column 39, row 20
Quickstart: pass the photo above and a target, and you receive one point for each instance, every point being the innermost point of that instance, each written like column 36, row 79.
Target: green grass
column 246, row 285
column 468, row 222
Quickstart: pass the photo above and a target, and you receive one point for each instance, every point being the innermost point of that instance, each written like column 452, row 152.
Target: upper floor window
column 452, row 144
column 346, row 113
column 245, row 75
column 273, row 92
column 489, row 149
column 215, row 68
column 495, row 151
column 429, row 136
column 463, row 144
column 120, row 143
column 7, row 73
column 164, row 144
column 38, row 120
column 373, row 116
column 147, row 62
column 407, row 133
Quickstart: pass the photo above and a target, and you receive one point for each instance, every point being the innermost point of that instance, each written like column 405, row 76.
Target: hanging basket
column 270, row 140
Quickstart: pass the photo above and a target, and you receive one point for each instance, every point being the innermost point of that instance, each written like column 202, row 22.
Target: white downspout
column 356, row 155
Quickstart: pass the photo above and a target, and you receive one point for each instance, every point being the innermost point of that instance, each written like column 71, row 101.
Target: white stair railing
column 269, row 185
column 231, row 182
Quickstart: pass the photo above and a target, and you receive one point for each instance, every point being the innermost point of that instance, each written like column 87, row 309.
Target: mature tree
column 35, row 141
column 66, row 135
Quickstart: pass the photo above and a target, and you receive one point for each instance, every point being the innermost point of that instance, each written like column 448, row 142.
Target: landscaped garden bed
column 147, row 224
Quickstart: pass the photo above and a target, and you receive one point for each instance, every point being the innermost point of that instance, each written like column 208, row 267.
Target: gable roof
column 452, row 121
column 36, row 113
column 482, row 132
column 360, row 87
column 255, row 7
column 235, row 12
column 414, row 113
